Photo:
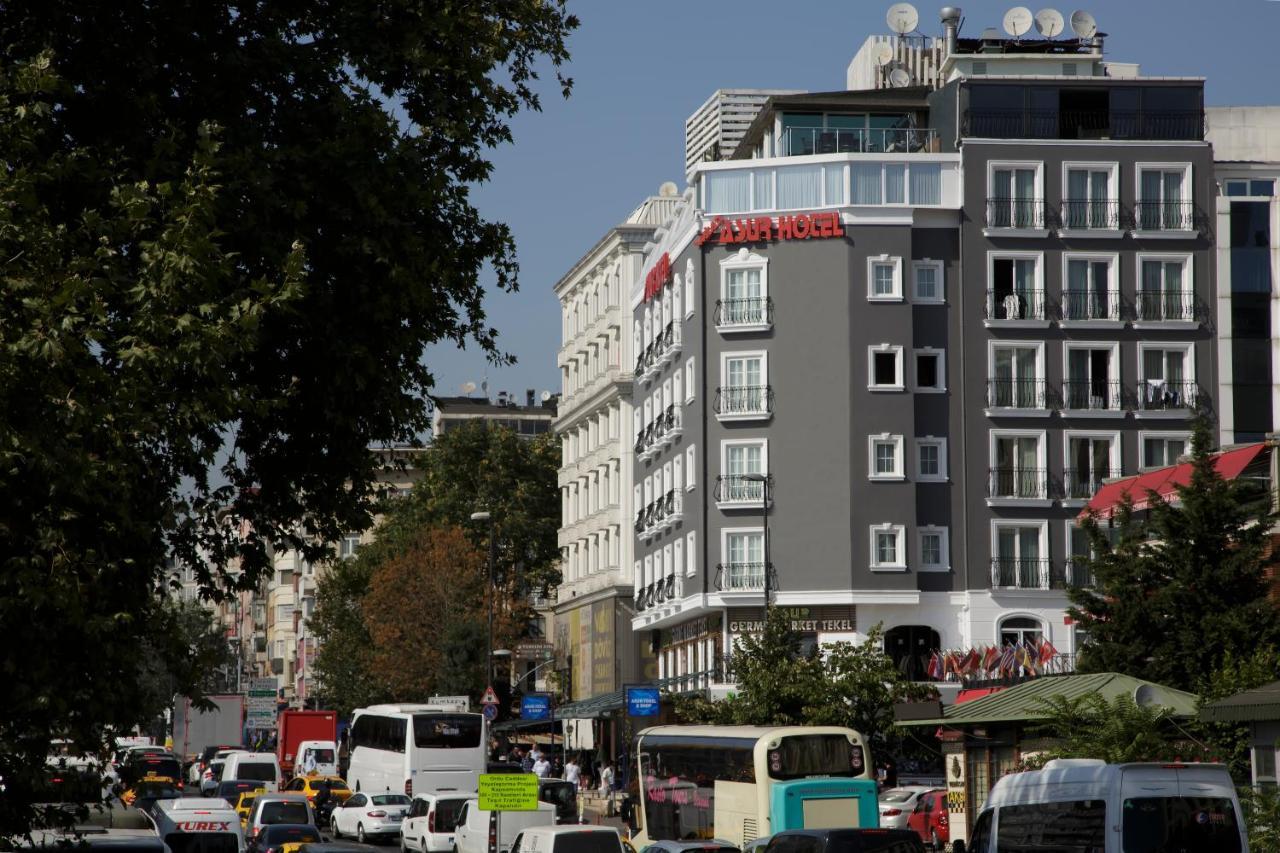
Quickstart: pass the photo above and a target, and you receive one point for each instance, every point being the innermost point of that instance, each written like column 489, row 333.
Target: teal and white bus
column 739, row 783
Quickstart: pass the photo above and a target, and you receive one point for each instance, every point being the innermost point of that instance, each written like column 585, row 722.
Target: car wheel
column 333, row 827
column 360, row 834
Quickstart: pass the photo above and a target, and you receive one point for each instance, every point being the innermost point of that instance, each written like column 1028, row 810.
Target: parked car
column 896, row 805
column 714, row 845
column 368, row 816
column 472, row 832
column 429, row 826
column 568, row 839
column 284, row 838
column 930, row 821
column 877, row 840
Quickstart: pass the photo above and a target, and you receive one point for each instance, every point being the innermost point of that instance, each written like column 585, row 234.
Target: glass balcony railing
column 1015, row 123
column 799, row 141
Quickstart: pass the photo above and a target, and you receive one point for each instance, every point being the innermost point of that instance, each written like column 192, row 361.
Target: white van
column 325, row 753
column 1087, row 804
column 472, row 832
column 569, row 839
column 261, row 767
column 199, row 825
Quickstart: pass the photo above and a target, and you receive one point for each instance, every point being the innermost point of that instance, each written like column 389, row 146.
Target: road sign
column 508, row 792
column 260, row 708
column 642, row 700
column 535, row 706
column 490, row 697
column 490, row 712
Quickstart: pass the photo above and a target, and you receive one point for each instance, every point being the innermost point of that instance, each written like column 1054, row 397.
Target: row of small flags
column 1009, row 659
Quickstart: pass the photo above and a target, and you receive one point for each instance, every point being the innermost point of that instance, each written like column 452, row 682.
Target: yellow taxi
column 245, row 803
column 148, row 789
column 311, row 785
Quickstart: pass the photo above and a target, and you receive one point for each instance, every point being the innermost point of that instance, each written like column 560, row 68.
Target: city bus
column 739, row 783
column 416, row 749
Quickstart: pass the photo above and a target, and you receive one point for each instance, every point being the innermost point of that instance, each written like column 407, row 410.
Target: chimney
column 950, row 27
column 528, row 397
column 502, row 398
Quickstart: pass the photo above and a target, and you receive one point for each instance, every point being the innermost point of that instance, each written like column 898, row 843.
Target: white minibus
column 416, row 749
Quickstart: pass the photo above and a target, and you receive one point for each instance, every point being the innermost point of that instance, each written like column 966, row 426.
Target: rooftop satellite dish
column 899, row 78
column 1083, row 24
column 902, row 18
column 1145, row 696
column 546, row 395
column 668, row 189
column 884, row 54
column 468, row 387
column 1018, row 21
column 1049, row 22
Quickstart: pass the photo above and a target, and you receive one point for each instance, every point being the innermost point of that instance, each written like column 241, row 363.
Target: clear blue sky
column 580, row 166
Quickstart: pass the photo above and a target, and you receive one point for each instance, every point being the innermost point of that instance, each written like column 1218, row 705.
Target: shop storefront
column 690, row 653
column 815, row 624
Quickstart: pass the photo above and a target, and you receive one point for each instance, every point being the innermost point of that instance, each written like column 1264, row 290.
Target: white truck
column 194, row 729
column 472, row 832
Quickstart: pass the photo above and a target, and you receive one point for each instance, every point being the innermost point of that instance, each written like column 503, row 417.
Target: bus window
column 679, row 779
column 806, row 756
column 1188, row 824
column 1077, row 825
column 446, row 731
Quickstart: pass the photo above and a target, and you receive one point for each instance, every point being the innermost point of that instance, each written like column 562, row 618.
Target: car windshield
column 322, row 756
column 247, row 802
column 389, row 800
column 158, row 790
column 290, row 834
column 897, row 795
column 287, row 812
column 588, row 842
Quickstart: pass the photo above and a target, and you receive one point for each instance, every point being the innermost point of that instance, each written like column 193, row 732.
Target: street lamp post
column 763, row 480
column 488, row 655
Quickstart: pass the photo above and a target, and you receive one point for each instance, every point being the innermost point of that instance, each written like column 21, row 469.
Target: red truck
column 298, row 726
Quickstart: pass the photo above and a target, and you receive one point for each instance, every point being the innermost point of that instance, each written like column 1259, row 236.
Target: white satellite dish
column 899, row 78
column 1018, row 21
column 884, row 54
column 1049, row 22
column 902, row 18
column 546, row 395
column 468, row 387
column 1083, row 24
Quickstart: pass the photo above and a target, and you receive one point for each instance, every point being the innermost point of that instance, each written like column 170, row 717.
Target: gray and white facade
column 1001, row 295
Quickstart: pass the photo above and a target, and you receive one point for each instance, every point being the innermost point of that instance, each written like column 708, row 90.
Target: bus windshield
column 806, row 756
column 446, row 731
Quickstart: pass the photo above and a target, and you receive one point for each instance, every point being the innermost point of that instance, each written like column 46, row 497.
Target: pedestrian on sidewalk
column 542, row 767
column 606, row 784
column 572, row 773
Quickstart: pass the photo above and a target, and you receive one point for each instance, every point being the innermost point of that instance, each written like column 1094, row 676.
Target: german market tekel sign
column 762, row 229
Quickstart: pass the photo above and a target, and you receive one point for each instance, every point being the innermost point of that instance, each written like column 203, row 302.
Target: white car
column 897, row 804
column 431, row 821
column 369, row 816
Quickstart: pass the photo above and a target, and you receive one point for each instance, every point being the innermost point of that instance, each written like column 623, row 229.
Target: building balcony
column 735, row 491
column 1095, row 214
column 1083, row 485
column 1166, row 306
column 1012, row 395
column 1017, row 484
column 1019, row 123
column 743, row 402
column 1080, row 306
column 1019, row 573
column 1015, row 305
column 803, row 141
column 740, row 577
column 1176, row 216
column 1073, row 573
column 1092, row 395
column 1158, row 395
column 754, row 314
column 1016, row 214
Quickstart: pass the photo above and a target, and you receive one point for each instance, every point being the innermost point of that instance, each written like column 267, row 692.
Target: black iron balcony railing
column 1158, row 394
column 751, row 311
column 1019, row 573
column 744, row 400
column 1165, row 216
column 1015, row 305
column 670, row 586
column 1073, row 573
column 1084, row 124
column 1030, row 483
column 740, row 577
column 1017, row 394
column 1162, row 306
column 737, row 489
column 1091, row 394
column 1082, row 485
column 1094, row 214
column 1016, row 213
column 1091, row 305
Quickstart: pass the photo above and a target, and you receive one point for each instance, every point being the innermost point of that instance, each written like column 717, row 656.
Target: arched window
column 1020, row 629
column 909, row 647
column 648, row 326
column 666, row 307
column 677, row 298
column 688, row 288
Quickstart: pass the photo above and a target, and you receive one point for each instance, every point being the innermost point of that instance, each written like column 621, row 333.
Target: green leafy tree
column 1176, row 593
column 343, row 662
column 1115, row 731
column 229, row 233
column 1230, row 742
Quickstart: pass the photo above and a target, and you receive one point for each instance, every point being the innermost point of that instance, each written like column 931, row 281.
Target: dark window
column 201, row 842
column 980, row 841
column 446, row 731
column 390, row 800
column 447, row 813
column 289, row 835
column 588, row 842
column 167, row 767
column 886, row 368
column 323, row 756
column 1177, row 825
column 927, row 371
column 802, row 756
column 257, row 770
column 284, row 813
column 1072, row 827
column 678, row 775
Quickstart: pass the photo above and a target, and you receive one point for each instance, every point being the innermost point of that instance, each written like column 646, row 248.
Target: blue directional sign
column 642, row 700
column 490, row 712
column 535, row 706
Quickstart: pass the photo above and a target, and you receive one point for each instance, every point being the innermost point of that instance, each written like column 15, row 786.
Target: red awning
column 1165, row 482
column 975, row 693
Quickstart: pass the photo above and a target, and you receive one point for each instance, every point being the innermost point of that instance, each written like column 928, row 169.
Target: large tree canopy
column 222, row 225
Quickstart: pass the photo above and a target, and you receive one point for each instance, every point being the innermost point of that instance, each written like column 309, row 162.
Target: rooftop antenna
column 468, row 388
column 884, row 54
column 546, row 395
column 1018, row 21
column 1049, row 22
column 1083, row 24
column 899, row 77
column 902, row 18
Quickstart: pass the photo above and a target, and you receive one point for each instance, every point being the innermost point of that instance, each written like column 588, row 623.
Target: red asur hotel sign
column 759, row 229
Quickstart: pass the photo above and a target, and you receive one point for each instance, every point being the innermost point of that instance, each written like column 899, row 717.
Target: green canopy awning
column 1261, row 703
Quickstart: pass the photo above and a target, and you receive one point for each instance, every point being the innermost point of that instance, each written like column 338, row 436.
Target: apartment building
column 715, row 128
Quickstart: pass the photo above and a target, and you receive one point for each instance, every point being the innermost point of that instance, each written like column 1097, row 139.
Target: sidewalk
column 594, row 810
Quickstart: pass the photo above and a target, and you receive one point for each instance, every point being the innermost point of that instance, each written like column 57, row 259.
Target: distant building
column 716, row 128
column 533, row 418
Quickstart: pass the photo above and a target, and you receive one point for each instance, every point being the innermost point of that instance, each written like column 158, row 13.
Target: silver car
column 897, row 804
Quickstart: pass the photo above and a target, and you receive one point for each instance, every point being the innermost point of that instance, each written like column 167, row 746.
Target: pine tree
column 1182, row 590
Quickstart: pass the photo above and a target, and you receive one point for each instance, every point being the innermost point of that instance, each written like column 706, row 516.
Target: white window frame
column 1117, row 376
column 1185, row 167
column 1116, row 456
column 876, row 260
column 899, row 469
column 939, row 269
column 1042, row 464
column 726, row 532
column 1007, row 255
column 1039, row 524
column 1112, row 260
column 1188, row 285
column 943, row 472
column 944, row 547
column 1188, row 375
column 900, row 563
column 1034, row 617
column 691, row 553
column 678, row 556
column 690, row 468
column 1164, row 435
column 1038, row 346
column 725, row 444
column 872, row 351
column 690, row 379
column 743, row 261
column 725, row 357
column 941, row 354
column 690, row 290
column 1038, row 195
column 1113, row 181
